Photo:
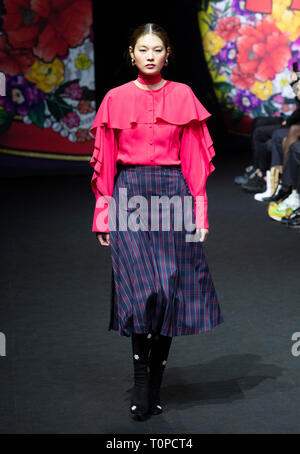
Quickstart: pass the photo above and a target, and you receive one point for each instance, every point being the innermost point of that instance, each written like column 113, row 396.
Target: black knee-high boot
column 158, row 359
column 141, row 345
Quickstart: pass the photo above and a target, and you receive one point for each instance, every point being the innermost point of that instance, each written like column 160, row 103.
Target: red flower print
column 265, row 6
column 84, row 106
column 259, row 6
column 241, row 79
column 263, row 50
column 48, row 27
column 74, row 91
column 285, row 107
column 295, row 5
column 71, row 119
column 20, row 23
column 228, row 28
column 14, row 61
column 82, row 135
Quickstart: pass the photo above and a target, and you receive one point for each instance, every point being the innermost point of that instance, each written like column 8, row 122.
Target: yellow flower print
column 83, row 61
column 204, row 19
column 285, row 19
column 213, row 43
column 284, row 82
column 46, row 76
column 262, row 90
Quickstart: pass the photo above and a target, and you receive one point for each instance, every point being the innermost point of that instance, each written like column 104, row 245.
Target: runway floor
column 64, row 372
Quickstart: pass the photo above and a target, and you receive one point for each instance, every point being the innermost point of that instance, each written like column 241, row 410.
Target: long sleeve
column 104, row 163
column 196, row 153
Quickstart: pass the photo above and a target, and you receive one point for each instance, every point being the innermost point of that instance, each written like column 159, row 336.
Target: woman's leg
column 158, row 359
column 141, row 345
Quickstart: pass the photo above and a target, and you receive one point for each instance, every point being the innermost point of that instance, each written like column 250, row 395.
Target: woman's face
column 149, row 49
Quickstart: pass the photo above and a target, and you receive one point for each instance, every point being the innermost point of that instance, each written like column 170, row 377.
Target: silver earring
column 133, row 61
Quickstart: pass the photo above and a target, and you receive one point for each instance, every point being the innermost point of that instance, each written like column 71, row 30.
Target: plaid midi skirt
column 160, row 282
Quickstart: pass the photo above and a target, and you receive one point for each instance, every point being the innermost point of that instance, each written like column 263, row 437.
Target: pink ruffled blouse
column 166, row 126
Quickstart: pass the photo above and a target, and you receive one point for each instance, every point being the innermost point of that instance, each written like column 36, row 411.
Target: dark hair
column 144, row 29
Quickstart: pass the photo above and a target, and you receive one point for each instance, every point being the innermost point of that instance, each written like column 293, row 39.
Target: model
column 152, row 142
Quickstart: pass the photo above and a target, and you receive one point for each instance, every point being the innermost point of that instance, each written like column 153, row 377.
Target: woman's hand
column 103, row 238
column 203, row 234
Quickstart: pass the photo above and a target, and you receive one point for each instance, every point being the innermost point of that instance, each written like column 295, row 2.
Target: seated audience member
column 288, row 210
column 267, row 135
column 261, row 130
column 281, row 143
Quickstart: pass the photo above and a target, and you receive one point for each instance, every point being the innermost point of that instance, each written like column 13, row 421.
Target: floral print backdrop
column 250, row 47
column 46, row 55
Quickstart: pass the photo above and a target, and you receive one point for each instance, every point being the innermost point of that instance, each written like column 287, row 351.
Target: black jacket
column 295, row 117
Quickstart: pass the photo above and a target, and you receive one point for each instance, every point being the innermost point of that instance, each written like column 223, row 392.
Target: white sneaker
column 292, row 201
column 268, row 192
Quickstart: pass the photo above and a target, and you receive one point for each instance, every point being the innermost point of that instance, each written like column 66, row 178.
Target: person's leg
column 257, row 182
column 252, row 169
column 265, row 121
column 141, row 345
column 158, row 359
column 262, row 132
column 284, row 210
column 293, row 136
column 264, row 159
column 293, row 221
column 291, row 168
column 277, row 150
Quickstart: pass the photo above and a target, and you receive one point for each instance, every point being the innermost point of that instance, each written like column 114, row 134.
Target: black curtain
column 113, row 22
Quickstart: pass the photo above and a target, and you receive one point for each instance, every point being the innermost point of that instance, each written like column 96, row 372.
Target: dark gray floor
column 65, row 373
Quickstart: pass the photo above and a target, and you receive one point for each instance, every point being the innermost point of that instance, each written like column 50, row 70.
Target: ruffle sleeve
column 196, row 153
column 103, row 114
column 196, row 149
column 104, row 163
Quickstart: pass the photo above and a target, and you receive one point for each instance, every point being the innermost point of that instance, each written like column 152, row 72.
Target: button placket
column 150, row 109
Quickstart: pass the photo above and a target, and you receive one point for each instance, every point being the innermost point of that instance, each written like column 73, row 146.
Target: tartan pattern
column 160, row 283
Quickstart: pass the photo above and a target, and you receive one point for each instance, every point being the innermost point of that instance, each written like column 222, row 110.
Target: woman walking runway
column 152, row 156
